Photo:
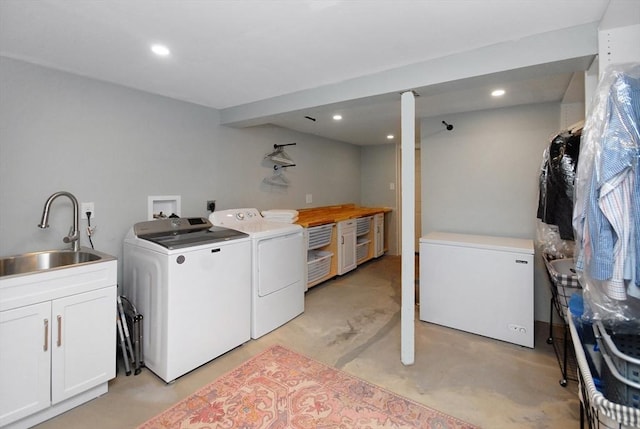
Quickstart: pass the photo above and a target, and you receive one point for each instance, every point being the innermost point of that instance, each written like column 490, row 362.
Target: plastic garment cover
column 557, row 177
column 550, row 243
column 606, row 216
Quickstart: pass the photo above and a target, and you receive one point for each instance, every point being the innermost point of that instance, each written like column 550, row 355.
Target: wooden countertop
column 329, row 214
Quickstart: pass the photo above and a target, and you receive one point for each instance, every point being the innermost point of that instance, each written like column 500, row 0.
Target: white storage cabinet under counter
column 478, row 284
column 378, row 242
column 57, row 340
column 347, row 237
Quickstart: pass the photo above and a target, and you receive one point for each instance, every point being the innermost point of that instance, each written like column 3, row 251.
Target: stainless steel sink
column 47, row 260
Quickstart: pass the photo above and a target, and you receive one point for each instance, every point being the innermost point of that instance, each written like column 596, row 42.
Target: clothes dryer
column 278, row 267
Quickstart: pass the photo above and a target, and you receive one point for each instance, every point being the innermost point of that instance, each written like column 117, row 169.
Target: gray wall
column 482, row 177
column 115, row 146
column 378, row 164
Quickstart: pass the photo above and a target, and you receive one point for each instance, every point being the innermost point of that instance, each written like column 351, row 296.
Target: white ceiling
column 235, row 54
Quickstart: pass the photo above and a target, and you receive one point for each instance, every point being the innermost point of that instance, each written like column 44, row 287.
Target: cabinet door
column 83, row 349
column 25, row 342
column 379, row 235
column 347, row 250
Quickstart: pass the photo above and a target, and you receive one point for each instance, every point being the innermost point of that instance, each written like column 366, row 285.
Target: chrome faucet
column 74, row 233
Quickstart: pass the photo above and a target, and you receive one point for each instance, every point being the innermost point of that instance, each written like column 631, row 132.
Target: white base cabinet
column 378, row 240
column 80, row 356
column 25, row 361
column 347, row 246
column 59, row 352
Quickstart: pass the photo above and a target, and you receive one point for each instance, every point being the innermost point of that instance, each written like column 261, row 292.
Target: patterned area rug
column 281, row 389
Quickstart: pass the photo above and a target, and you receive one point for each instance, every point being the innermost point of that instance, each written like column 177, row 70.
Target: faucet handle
column 72, row 236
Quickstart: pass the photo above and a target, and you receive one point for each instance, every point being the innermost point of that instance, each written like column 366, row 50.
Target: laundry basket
column 319, row 236
column 363, row 225
column 362, row 249
column 318, row 265
column 601, row 412
column 564, row 284
column 621, row 367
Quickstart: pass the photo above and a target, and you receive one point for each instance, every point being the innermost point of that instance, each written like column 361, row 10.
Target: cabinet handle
column 59, row 343
column 342, row 239
column 46, row 335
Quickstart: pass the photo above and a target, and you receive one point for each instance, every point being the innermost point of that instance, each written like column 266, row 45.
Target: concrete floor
column 353, row 323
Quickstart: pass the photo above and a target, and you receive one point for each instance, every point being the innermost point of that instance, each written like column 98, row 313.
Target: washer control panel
column 232, row 217
column 171, row 225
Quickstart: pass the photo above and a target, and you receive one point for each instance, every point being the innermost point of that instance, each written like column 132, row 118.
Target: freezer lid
column 505, row 244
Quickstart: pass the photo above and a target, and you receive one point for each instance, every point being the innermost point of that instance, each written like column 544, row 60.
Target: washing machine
column 278, row 265
column 191, row 282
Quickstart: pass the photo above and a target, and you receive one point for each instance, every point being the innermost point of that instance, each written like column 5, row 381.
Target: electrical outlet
column 211, row 205
column 87, row 207
column 309, row 198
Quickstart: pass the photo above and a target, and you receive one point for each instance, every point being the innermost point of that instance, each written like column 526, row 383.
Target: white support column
column 408, row 275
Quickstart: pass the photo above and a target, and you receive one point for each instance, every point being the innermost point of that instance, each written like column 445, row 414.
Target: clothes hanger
column 277, row 178
column 279, row 156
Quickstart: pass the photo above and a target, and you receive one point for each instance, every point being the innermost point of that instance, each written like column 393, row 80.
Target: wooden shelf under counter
column 319, row 216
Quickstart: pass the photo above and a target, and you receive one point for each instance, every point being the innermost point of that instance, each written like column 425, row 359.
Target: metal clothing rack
column 563, row 348
column 562, row 287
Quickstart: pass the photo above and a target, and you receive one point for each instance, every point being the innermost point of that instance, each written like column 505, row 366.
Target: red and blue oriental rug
column 281, row 389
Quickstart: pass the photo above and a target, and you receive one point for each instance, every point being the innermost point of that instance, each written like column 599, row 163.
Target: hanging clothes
column 607, row 212
column 557, row 177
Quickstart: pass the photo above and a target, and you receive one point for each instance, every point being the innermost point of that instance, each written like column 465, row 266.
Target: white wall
column 482, row 177
column 115, row 146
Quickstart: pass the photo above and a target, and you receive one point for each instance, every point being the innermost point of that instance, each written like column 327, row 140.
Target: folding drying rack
column 130, row 342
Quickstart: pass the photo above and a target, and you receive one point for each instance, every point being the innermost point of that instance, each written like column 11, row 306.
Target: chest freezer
column 478, row 284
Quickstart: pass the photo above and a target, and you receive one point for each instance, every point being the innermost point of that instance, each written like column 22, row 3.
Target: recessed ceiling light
column 160, row 50
column 498, row 93
column 390, row 137
column 337, row 117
